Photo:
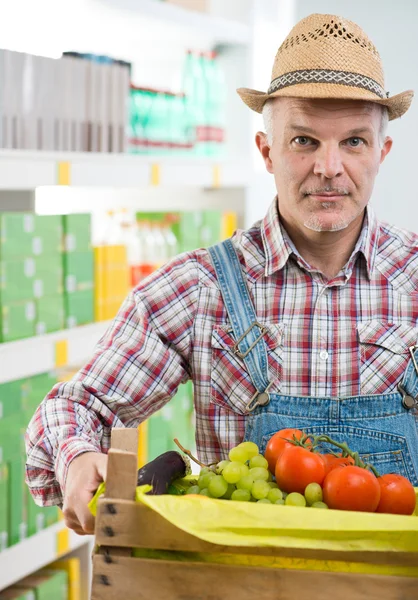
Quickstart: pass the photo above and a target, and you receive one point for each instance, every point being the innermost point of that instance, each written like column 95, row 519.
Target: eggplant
column 163, row 470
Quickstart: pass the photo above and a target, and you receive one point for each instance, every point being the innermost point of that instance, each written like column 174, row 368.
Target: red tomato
column 296, row 467
column 397, row 495
column 277, row 443
column 332, row 462
column 351, row 488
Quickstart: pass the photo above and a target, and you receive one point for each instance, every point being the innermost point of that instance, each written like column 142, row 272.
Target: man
column 308, row 319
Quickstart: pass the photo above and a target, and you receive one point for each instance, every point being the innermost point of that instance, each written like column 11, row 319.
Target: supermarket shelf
column 218, row 30
column 42, row 353
column 26, row 170
column 38, row 551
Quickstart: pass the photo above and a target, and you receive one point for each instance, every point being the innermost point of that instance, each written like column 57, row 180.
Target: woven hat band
column 327, row 76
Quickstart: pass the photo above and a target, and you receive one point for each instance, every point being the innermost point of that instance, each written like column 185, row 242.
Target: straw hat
column 326, row 56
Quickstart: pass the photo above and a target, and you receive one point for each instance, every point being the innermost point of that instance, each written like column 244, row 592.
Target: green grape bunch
column 245, row 477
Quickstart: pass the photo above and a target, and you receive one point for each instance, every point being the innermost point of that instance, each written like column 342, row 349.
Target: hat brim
column 396, row 105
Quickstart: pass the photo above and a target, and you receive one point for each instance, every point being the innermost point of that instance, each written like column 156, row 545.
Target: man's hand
column 84, row 476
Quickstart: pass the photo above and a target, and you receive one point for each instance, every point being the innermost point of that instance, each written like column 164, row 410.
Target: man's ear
column 386, row 148
column 264, row 148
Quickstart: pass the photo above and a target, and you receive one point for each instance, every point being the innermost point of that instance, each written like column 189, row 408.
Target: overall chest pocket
column 384, row 354
column 231, row 385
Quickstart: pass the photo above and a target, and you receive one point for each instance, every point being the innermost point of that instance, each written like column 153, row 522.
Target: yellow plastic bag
column 251, row 524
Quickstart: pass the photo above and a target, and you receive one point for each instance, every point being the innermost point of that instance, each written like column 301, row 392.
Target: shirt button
column 323, row 355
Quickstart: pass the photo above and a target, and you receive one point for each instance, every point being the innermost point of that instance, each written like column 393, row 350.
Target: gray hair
column 268, row 110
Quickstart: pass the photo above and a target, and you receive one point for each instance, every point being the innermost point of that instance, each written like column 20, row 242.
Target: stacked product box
column 31, row 275
column 111, row 280
column 78, row 262
column 174, row 420
column 18, row 402
column 76, row 103
column 46, row 584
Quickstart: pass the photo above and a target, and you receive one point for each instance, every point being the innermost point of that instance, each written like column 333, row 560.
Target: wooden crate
column 122, row 524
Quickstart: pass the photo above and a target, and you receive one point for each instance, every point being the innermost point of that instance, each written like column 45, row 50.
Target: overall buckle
column 235, row 347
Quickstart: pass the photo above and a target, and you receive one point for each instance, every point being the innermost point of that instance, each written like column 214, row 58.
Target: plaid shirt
column 344, row 337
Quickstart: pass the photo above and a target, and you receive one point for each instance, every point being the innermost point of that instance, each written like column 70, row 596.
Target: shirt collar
column 278, row 247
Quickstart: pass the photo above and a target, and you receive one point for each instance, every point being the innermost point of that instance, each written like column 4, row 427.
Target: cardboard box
column 11, row 397
column 78, row 271
column 50, row 314
column 79, row 308
column 4, row 506
column 17, row 321
column 18, row 507
column 18, row 593
column 25, row 234
column 17, row 235
column 34, row 390
column 72, row 568
column 77, row 232
column 49, row 278
column 48, row 584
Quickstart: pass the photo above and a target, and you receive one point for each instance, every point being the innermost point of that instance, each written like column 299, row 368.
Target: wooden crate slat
column 142, row 579
column 137, row 526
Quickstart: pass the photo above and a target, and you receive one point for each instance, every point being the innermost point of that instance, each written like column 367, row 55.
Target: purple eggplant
column 163, row 470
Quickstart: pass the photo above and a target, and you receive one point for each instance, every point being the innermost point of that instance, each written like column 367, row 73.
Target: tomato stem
column 317, row 440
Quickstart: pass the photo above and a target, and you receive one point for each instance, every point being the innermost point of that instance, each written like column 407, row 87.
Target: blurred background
column 122, row 143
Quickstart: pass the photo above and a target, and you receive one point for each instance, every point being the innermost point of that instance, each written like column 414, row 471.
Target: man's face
column 324, row 156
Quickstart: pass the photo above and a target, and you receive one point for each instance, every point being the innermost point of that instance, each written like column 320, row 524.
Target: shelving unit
column 40, row 550
column 43, row 353
column 139, row 31
column 26, row 170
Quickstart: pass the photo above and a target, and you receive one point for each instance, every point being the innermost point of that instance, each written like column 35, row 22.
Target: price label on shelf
column 63, row 541
column 155, row 174
column 61, row 353
column 216, row 176
column 64, row 173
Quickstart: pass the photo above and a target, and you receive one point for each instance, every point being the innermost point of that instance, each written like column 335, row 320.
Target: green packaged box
column 79, row 308
column 210, row 232
column 48, row 584
column 17, row 320
column 10, row 437
column 17, row 592
column 49, row 229
column 50, row 314
column 77, row 232
column 26, row 234
column 17, row 280
column 35, row 389
column 11, row 397
column 4, row 506
column 36, row 516
column 78, row 271
column 28, row 278
column 17, row 235
column 49, row 276
column 189, row 228
column 18, row 513
column 159, row 432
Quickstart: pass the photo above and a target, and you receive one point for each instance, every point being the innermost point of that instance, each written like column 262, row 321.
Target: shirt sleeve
column 136, row 368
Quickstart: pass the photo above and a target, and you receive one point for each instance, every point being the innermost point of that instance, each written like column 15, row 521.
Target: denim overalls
column 382, row 428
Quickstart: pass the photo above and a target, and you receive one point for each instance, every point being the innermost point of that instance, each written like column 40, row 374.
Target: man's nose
column 328, row 161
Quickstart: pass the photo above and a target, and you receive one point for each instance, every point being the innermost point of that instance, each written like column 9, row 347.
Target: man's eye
column 355, row 142
column 302, row 140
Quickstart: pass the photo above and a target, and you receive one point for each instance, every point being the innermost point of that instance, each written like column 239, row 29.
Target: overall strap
column 247, row 331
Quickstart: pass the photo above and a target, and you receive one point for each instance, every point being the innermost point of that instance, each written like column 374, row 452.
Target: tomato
column 296, row 467
column 277, row 443
column 332, row 462
column 397, row 495
column 351, row 488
